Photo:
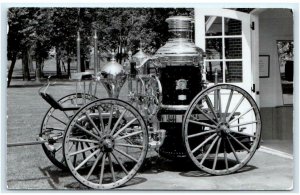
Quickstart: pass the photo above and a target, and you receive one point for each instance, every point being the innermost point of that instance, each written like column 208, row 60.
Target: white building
column 244, row 46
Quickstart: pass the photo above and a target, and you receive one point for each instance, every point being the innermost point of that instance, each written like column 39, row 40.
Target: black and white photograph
column 149, row 98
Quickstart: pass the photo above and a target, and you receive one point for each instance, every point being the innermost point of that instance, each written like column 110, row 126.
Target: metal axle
column 26, row 143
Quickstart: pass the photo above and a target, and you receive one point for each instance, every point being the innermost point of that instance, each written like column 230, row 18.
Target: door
column 225, row 35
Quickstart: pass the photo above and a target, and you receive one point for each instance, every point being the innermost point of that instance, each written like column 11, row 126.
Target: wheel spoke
column 234, row 152
column 70, row 147
column 209, row 149
column 202, row 133
column 123, row 128
column 58, row 120
column 87, row 159
column 127, row 155
column 219, row 103
column 82, row 147
column 88, row 145
column 84, row 150
column 102, row 169
column 66, row 115
column 129, row 145
column 111, row 167
column 120, row 163
column 110, row 118
column 240, row 143
column 129, row 135
column 101, row 119
column 241, row 124
column 53, row 129
column 211, row 107
column 58, row 148
column 94, row 165
column 83, row 140
column 94, row 125
column 240, row 115
column 206, row 115
column 203, row 124
column 236, row 107
column 225, row 155
column 75, row 156
column 242, row 133
column 204, row 142
column 86, row 131
column 216, row 154
column 117, row 123
column 228, row 104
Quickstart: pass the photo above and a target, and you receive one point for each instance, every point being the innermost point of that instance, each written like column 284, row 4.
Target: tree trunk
column 42, row 67
column 58, row 70
column 38, row 70
column 69, row 66
column 63, row 65
column 30, row 63
column 11, row 68
column 25, row 64
column 82, row 62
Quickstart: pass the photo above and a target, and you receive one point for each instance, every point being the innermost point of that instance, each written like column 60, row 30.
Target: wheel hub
column 107, row 143
column 223, row 128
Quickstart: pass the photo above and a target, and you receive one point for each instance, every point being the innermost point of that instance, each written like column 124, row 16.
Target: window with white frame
column 223, row 43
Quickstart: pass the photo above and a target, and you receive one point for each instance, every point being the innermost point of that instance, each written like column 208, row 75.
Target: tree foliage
column 20, row 38
column 42, row 29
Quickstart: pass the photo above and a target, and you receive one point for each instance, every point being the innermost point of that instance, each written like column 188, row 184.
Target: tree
column 40, row 29
column 28, row 34
column 20, row 39
column 42, row 38
column 129, row 26
column 135, row 25
column 65, row 24
column 13, row 40
column 28, row 37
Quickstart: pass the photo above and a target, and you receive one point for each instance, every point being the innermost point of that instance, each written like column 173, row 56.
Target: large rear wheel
column 222, row 129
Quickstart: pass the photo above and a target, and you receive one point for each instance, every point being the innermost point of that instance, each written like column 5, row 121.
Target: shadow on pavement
column 155, row 165
column 152, row 165
column 54, row 175
column 186, row 167
column 199, row 173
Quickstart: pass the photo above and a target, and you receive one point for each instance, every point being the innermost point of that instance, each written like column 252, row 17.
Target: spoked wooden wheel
column 54, row 124
column 151, row 95
column 222, row 129
column 105, row 143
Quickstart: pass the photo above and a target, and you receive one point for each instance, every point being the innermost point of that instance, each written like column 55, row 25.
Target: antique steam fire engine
column 170, row 108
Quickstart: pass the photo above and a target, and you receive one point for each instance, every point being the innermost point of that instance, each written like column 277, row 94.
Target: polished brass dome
column 179, row 49
column 113, row 77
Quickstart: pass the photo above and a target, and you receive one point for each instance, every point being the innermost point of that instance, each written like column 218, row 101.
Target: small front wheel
column 105, row 143
column 222, row 129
